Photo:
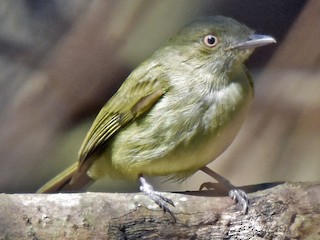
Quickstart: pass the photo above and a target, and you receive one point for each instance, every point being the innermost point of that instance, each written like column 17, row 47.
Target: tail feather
column 65, row 181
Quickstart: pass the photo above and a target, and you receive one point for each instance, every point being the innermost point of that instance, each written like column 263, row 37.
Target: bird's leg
column 235, row 193
column 162, row 201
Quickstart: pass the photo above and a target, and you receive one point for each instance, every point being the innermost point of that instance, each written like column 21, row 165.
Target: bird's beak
column 254, row 40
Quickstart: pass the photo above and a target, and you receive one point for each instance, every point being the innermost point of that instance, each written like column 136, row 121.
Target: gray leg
column 236, row 194
column 162, row 201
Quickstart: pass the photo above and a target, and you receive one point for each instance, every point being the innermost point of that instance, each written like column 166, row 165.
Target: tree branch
column 286, row 211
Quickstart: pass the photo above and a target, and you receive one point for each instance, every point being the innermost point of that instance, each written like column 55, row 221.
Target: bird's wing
column 131, row 101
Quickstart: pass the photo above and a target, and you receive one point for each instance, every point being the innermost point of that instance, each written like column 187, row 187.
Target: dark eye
column 210, row 40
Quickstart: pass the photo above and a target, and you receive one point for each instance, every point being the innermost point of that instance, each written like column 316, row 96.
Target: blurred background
column 60, row 61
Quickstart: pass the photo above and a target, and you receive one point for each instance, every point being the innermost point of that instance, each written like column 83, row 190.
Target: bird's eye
column 210, row 41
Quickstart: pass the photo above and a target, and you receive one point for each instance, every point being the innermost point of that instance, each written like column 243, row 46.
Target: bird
column 174, row 114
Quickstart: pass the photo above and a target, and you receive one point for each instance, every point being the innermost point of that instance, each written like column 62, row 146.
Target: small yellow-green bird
column 174, row 114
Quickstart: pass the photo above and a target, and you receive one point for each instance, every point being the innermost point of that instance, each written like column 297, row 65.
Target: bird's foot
column 157, row 197
column 240, row 197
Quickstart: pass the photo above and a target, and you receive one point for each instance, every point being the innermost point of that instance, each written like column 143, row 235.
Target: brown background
column 60, row 61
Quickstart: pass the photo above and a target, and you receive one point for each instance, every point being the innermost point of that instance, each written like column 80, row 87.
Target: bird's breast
column 183, row 132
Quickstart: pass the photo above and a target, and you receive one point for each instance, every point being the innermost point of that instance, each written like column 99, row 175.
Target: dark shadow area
column 219, row 190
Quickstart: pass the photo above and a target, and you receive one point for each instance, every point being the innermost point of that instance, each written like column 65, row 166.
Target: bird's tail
column 66, row 182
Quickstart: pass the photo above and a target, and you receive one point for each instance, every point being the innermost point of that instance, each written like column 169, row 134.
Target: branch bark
column 285, row 211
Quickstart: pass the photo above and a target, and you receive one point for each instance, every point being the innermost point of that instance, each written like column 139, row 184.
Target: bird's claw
column 239, row 196
column 157, row 197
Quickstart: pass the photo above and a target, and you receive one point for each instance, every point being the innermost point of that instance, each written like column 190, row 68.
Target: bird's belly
column 181, row 143
column 155, row 157
column 203, row 148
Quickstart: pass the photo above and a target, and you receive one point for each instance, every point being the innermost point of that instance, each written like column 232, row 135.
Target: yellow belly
column 178, row 144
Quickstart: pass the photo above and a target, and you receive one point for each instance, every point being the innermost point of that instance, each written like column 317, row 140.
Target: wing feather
column 125, row 106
